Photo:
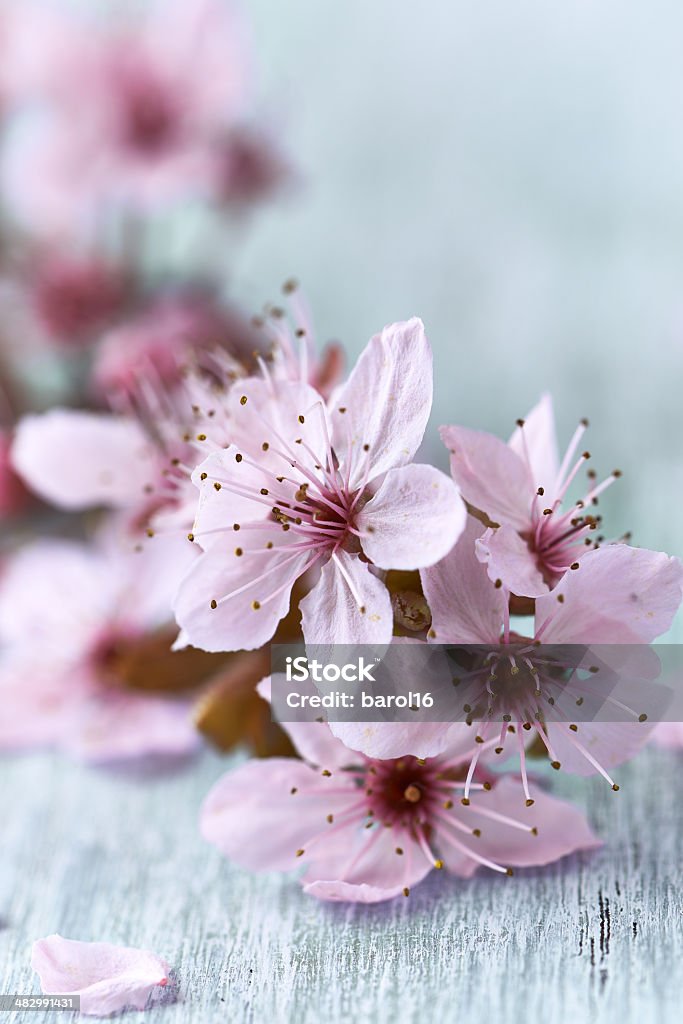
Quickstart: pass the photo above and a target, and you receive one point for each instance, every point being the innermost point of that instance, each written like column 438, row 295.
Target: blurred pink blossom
column 70, row 614
column 126, row 113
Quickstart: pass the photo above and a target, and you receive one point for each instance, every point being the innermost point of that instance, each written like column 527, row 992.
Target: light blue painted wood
column 103, row 856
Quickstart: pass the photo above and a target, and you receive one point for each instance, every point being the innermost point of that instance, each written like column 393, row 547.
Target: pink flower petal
column 562, row 828
column 313, row 740
column 251, row 591
column 107, row 978
column 490, row 475
column 122, row 727
column 80, row 459
column 609, row 743
column 362, row 866
column 348, row 605
column 67, row 609
column 466, row 607
column 619, row 594
column 508, row 558
column 413, row 520
column 539, row 445
column 253, row 816
column 387, row 400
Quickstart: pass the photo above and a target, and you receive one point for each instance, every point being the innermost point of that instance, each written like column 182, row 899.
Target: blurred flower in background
column 131, row 162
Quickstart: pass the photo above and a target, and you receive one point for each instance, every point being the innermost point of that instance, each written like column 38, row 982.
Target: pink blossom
column 307, row 486
column 107, row 978
column 368, row 830
column 519, row 489
column 619, row 596
column 70, row 616
column 127, row 115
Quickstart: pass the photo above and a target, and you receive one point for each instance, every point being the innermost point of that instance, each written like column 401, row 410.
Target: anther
column 300, row 853
column 615, row 788
column 406, row 891
column 642, row 718
column 498, row 584
column 556, row 765
column 574, row 565
column 447, row 804
column 238, row 552
column 238, row 457
column 203, row 476
column 438, row 864
column 330, row 819
column 326, row 773
column 399, row 851
column 301, row 419
column 476, row 832
column 529, row 802
column 217, row 486
column 201, row 437
column 214, row 603
column 190, row 537
column 465, row 801
column 265, row 446
column 243, row 400
column 256, row 605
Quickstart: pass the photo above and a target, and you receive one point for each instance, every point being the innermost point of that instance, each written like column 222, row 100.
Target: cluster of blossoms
column 282, row 502
column 223, row 486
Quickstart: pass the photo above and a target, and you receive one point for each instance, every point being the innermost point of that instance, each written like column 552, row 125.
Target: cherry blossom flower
column 87, row 640
column 368, row 830
column 519, row 489
column 618, row 596
column 621, row 596
column 107, row 978
column 126, row 114
column 304, row 486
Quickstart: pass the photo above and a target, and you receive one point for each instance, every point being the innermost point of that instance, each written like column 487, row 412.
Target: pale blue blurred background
column 512, row 173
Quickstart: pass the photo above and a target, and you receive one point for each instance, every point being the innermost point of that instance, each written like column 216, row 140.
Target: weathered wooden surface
column 104, row 856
